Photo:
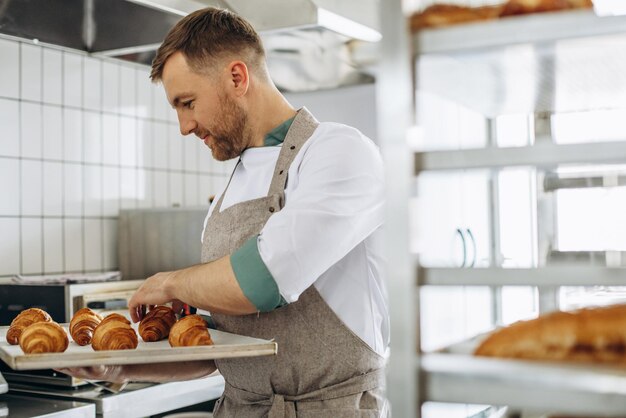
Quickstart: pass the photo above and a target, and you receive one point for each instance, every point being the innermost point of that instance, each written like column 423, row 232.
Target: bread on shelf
column 519, row 7
column 114, row 333
column 586, row 335
column 439, row 15
column 83, row 324
column 156, row 325
column 23, row 320
column 445, row 14
column 44, row 337
column 191, row 330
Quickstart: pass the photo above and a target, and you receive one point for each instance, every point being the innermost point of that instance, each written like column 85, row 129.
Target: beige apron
column 322, row 369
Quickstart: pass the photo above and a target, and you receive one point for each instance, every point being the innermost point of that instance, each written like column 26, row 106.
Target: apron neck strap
column 299, row 132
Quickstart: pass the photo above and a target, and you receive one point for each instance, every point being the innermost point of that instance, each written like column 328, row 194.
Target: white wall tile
column 110, row 191
column 9, row 70
column 144, row 93
column 73, row 244
column 93, row 244
column 10, row 187
column 72, row 79
column 32, row 188
column 128, row 188
column 31, row 138
column 161, row 148
column 32, row 246
column 128, row 141
column 192, row 196
column 92, row 83
column 110, row 243
column 177, row 189
column 161, row 189
column 145, row 187
column 52, row 189
column 52, row 76
column 145, row 145
column 31, row 72
column 93, row 190
column 9, row 246
column 73, row 189
column 160, row 104
column 175, row 146
column 191, row 150
column 110, row 87
column 52, row 132
column 206, row 188
column 128, row 93
column 110, row 139
column 72, row 135
column 92, row 137
column 52, row 245
column 9, row 128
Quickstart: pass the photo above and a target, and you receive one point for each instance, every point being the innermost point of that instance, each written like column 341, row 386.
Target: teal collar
column 278, row 134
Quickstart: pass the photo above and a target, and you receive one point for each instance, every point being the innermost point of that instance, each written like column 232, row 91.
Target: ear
column 239, row 78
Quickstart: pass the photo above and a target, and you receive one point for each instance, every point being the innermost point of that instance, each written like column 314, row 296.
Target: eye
column 188, row 104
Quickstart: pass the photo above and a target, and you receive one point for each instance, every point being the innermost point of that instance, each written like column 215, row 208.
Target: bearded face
column 230, row 136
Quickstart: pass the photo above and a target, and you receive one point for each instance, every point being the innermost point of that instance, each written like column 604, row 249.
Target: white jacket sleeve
column 334, row 200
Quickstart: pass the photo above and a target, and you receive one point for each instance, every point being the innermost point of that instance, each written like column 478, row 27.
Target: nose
column 187, row 124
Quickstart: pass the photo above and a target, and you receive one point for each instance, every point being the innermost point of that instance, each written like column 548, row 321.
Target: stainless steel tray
column 226, row 345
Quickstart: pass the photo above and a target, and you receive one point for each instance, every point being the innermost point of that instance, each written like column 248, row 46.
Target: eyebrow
column 178, row 98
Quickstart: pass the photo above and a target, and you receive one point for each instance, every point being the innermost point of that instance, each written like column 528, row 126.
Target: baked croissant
column 190, row 330
column 585, row 335
column 44, row 337
column 156, row 325
column 114, row 333
column 23, row 320
column 82, row 325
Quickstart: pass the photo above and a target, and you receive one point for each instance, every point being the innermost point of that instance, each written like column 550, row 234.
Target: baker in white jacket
column 291, row 248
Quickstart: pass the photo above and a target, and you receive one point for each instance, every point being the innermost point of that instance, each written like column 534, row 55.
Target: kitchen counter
column 136, row 400
column 19, row 406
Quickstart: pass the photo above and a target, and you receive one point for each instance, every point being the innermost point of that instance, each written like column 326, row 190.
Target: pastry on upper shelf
column 23, row 320
column 114, row 333
column 82, row 325
column 44, row 337
column 189, row 331
column 519, row 7
column 156, row 325
column 438, row 15
column 586, row 335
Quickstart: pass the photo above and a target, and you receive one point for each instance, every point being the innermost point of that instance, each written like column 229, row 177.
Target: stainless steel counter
column 18, row 406
column 137, row 399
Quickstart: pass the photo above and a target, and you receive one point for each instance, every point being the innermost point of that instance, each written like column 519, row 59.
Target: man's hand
column 155, row 290
column 113, row 374
column 156, row 372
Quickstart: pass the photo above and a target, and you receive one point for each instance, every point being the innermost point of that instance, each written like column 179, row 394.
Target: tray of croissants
column 35, row 341
column 594, row 335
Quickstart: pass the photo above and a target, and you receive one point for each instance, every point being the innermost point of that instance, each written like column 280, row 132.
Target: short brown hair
column 205, row 36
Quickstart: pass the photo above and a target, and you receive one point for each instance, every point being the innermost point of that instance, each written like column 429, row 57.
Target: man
column 291, row 248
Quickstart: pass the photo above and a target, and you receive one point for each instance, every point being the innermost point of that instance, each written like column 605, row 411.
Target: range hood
column 321, row 33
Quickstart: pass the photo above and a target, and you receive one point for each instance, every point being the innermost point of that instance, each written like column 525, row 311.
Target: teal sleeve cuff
column 254, row 278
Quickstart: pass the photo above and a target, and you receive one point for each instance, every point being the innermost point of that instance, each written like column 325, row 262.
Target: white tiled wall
column 80, row 139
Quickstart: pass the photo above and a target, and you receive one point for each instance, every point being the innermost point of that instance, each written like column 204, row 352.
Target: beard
column 232, row 137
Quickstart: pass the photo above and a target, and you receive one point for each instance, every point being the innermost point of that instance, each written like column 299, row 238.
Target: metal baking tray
column 226, row 345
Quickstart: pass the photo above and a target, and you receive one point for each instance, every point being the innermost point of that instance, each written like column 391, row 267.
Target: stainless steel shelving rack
column 572, row 61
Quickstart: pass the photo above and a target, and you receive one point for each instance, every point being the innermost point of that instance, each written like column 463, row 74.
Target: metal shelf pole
column 394, row 93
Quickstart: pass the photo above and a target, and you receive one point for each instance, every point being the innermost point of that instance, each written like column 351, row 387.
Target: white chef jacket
column 329, row 233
